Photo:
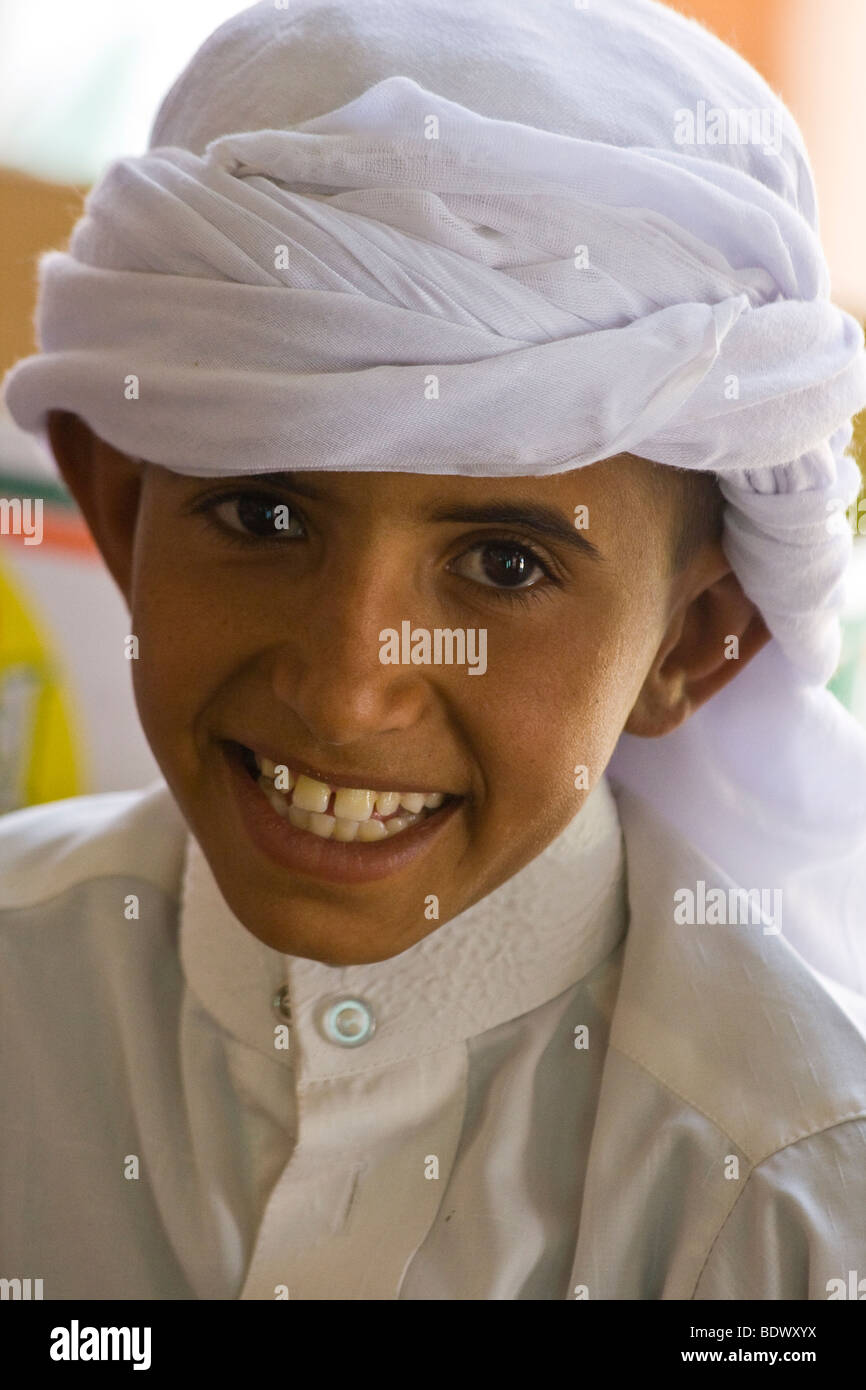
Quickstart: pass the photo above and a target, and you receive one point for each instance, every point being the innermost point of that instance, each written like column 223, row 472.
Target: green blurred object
column 848, row 683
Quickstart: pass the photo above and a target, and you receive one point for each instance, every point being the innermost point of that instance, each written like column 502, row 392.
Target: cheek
column 192, row 627
column 555, row 702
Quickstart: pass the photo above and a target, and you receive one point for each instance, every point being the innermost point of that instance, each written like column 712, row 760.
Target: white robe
column 706, row 1143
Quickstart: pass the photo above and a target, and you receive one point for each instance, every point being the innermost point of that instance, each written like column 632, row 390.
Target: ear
column 107, row 487
column 712, row 634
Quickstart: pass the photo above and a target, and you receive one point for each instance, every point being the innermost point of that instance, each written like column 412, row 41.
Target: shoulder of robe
column 730, row 1018
column 797, row 1229
column 49, row 850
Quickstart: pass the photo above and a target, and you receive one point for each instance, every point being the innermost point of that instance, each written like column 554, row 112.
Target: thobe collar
column 523, row 944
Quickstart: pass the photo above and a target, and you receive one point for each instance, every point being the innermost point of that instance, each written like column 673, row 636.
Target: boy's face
column 266, row 637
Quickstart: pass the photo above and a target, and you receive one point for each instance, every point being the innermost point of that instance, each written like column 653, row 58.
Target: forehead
column 418, row 495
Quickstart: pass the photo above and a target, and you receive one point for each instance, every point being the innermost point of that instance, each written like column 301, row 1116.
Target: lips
column 332, row 810
column 281, row 831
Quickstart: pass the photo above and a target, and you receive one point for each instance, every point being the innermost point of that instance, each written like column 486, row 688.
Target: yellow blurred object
column 38, row 757
column 36, row 217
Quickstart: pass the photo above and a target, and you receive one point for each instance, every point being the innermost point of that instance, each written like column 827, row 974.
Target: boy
column 406, row 983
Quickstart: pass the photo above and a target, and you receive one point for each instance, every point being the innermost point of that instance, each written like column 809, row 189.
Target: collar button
column 346, row 1021
column 283, row 1003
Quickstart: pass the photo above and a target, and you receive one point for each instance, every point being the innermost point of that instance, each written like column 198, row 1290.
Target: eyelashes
column 508, row 545
column 207, row 507
column 280, row 518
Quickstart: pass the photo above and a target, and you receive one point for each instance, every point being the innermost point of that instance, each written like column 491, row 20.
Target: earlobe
column 704, row 648
column 106, row 485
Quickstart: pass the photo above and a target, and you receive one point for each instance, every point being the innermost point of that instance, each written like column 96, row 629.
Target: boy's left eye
column 503, row 564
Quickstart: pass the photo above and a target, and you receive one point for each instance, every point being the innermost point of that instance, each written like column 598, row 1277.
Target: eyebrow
column 528, row 516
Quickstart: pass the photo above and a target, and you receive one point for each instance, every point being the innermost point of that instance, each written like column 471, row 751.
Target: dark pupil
column 256, row 514
column 505, row 564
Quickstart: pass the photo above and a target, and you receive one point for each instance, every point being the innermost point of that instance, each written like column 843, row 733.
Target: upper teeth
column 353, row 807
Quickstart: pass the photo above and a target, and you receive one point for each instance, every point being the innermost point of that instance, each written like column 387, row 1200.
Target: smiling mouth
column 331, row 812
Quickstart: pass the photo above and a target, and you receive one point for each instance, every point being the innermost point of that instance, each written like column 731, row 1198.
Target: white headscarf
column 504, row 198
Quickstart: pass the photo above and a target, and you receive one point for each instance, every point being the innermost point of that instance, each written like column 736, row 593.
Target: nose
column 328, row 670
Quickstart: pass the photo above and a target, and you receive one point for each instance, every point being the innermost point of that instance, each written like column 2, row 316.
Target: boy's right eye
column 251, row 515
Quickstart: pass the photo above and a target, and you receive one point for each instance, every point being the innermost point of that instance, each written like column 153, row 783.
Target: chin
column 328, row 946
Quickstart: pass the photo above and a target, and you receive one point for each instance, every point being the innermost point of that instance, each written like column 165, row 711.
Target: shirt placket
column 375, row 1145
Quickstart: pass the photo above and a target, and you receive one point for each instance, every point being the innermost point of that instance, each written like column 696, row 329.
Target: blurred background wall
column 79, row 86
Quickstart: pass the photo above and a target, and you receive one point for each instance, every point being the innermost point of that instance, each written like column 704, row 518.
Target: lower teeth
column 332, row 827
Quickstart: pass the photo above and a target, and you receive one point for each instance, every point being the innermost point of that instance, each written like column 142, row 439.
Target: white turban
column 524, row 203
